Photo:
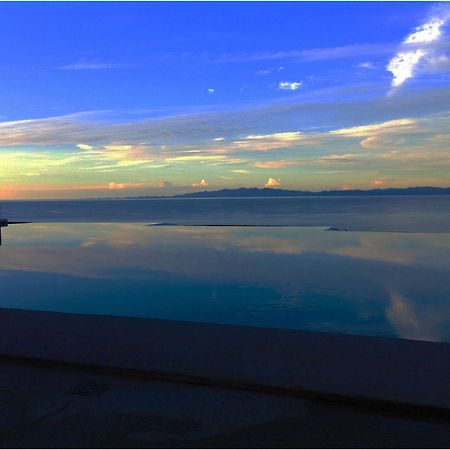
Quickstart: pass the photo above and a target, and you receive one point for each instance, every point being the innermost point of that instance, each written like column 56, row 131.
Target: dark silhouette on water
column 270, row 192
column 254, row 192
column 3, row 223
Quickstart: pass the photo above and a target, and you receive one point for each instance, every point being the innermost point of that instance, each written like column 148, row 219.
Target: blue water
column 361, row 282
column 404, row 214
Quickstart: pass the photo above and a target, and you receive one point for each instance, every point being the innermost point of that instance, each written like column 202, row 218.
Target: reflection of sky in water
column 391, row 284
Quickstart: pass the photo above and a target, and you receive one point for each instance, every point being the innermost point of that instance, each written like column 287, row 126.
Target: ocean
column 403, row 214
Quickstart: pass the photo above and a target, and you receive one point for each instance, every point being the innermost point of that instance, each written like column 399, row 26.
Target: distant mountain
column 269, row 192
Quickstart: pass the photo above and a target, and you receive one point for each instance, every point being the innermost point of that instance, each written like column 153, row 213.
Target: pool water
column 369, row 283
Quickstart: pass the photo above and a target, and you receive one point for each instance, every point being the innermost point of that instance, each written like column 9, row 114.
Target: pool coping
column 383, row 373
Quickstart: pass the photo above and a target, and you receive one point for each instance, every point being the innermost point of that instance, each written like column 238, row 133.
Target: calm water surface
column 382, row 284
column 400, row 213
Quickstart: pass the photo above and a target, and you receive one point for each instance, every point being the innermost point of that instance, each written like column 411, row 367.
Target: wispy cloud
column 365, row 130
column 163, row 184
column 343, row 157
column 91, row 65
column 276, row 164
column 367, row 65
column 284, row 136
column 264, row 142
column 314, row 54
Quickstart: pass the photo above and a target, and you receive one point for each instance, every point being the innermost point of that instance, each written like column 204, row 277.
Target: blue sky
column 161, row 98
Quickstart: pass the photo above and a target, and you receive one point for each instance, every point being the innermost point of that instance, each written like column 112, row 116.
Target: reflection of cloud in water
column 92, row 249
column 309, row 272
column 410, row 325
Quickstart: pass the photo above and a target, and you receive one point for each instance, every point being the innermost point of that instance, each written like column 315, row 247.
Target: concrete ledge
column 393, row 374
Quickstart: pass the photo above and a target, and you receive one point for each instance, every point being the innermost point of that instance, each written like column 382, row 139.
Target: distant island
column 270, row 192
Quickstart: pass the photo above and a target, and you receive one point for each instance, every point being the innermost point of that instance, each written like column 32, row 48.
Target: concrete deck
column 42, row 407
column 390, row 374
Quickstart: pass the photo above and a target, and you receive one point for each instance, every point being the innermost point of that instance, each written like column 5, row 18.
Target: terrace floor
column 49, row 407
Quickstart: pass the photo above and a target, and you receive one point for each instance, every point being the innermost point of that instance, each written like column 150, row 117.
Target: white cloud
column 402, row 66
column 415, row 47
column 84, row 147
column 427, row 32
column 264, row 142
column 211, row 90
column 273, row 182
column 285, row 136
column 201, row 183
column 289, row 85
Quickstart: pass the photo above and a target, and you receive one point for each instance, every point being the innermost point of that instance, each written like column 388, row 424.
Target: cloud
column 114, row 186
column 273, row 182
column 164, row 184
column 416, row 46
column 201, row 183
column 241, row 171
column 378, row 182
column 346, row 157
column 276, row 164
column 121, row 186
column 289, row 85
column 408, row 324
column 366, row 130
column 367, row 65
column 200, row 158
column 117, row 145
column 192, row 128
column 390, row 133
column 402, row 66
column 381, row 140
column 284, row 136
column 428, row 32
column 264, row 142
column 308, row 55
column 90, row 65
column 84, row 147
column 211, row 91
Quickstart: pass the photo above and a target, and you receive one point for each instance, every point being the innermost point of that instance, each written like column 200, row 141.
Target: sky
column 130, row 99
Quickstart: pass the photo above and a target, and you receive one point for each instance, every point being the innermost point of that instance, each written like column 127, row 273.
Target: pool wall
column 394, row 374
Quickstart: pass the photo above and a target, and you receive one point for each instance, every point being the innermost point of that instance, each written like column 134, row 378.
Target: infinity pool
column 381, row 284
